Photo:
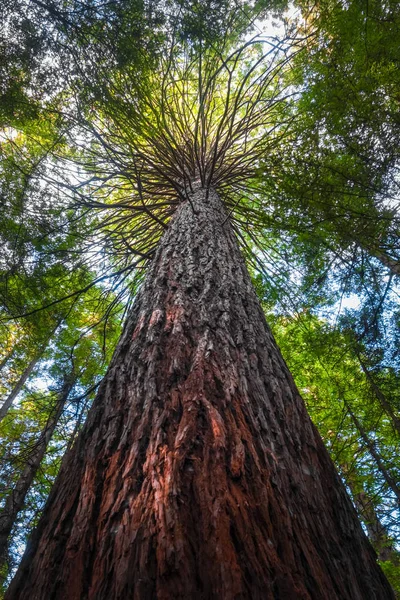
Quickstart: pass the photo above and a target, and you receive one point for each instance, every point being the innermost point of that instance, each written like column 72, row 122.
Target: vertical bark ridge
column 198, row 474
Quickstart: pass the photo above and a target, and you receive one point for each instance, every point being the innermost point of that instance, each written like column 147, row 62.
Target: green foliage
column 80, row 349
column 392, row 572
column 341, row 174
column 356, row 427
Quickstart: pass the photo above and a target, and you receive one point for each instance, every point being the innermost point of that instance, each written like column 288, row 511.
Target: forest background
column 324, row 258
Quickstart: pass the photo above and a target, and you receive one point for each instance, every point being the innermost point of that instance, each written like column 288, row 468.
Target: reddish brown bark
column 198, row 474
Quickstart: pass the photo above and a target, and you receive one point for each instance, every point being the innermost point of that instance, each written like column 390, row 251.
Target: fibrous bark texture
column 198, row 474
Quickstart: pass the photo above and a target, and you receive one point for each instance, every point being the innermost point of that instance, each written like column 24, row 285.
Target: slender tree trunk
column 383, row 401
column 18, row 386
column 375, row 454
column 392, row 264
column 5, row 359
column 26, row 374
column 377, row 532
column 16, row 498
column 198, row 474
column 81, row 416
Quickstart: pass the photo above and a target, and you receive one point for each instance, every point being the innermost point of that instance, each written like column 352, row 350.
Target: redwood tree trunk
column 198, row 474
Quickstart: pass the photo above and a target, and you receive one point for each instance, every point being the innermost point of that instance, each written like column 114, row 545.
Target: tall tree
column 198, row 472
column 207, row 481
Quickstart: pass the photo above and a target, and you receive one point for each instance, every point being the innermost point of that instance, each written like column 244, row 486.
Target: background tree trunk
column 5, row 407
column 370, row 445
column 6, row 358
column 383, row 401
column 377, row 532
column 198, row 473
column 15, row 500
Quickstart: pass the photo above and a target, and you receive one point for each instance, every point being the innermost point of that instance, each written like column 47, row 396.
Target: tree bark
column 14, row 502
column 198, row 474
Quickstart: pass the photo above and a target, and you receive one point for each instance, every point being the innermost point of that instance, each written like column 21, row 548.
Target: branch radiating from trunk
column 198, row 473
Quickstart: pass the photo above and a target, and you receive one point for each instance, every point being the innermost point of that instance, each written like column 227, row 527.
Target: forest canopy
column 108, row 113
